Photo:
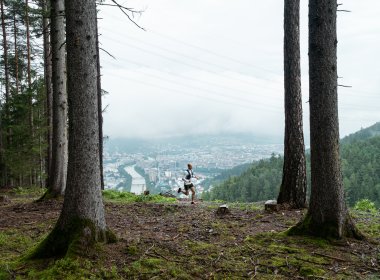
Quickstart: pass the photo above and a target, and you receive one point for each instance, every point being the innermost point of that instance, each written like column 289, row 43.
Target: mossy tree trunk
column 82, row 221
column 293, row 186
column 328, row 215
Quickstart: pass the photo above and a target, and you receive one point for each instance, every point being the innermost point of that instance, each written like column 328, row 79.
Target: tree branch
column 344, row 86
column 107, row 53
column 125, row 11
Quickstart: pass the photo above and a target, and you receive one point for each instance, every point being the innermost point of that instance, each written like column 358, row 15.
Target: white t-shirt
column 188, row 177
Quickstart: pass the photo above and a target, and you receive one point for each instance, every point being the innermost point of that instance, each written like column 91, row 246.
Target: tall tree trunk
column 5, row 54
column 6, row 77
column 2, row 163
column 328, row 214
column 16, row 51
column 100, row 109
column 293, row 186
column 29, row 74
column 58, row 172
column 48, row 86
column 82, row 220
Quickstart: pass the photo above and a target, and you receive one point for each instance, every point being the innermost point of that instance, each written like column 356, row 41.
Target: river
column 138, row 182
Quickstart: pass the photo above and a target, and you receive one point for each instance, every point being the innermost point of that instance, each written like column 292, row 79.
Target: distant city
column 159, row 166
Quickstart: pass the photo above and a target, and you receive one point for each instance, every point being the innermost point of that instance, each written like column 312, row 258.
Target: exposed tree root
column 326, row 230
column 77, row 238
column 49, row 194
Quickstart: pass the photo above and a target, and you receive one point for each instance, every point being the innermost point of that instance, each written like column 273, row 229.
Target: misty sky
column 211, row 66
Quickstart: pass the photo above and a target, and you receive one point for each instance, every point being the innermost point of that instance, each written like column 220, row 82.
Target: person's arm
column 195, row 176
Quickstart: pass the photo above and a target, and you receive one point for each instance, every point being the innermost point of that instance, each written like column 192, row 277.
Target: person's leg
column 184, row 191
column 192, row 194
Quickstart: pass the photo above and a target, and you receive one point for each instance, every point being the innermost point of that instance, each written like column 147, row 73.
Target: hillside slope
column 360, row 153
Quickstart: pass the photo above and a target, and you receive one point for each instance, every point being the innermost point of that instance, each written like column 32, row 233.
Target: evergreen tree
column 58, row 171
column 82, row 221
column 327, row 215
column 293, row 186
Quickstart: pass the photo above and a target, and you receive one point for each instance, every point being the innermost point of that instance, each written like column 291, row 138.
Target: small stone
column 223, row 210
column 271, row 205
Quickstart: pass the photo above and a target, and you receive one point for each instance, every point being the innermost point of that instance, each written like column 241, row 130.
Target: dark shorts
column 187, row 187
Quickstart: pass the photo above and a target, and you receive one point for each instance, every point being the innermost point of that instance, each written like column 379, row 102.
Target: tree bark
column 29, row 74
column 48, row 86
column 82, row 221
column 58, row 172
column 328, row 214
column 293, row 186
column 6, row 74
column 5, row 54
column 100, row 109
column 16, row 51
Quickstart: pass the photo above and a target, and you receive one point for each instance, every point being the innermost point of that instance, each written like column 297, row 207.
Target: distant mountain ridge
column 134, row 145
column 363, row 134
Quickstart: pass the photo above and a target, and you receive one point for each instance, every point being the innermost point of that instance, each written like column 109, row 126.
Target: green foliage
column 362, row 134
column 360, row 169
column 224, row 175
column 260, row 182
column 31, row 191
column 24, row 141
column 127, row 197
column 365, row 205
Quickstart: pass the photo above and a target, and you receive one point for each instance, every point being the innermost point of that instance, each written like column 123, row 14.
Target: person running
column 188, row 184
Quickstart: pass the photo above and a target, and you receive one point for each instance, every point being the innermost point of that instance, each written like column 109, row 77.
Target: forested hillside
column 361, row 170
column 226, row 174
column 360, row 153
column 362, row 134
column 261, row 181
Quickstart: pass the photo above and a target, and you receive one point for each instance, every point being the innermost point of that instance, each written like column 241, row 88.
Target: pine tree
column 82, row 221
column 328, row 215
column 58, row 171
column 293, row 186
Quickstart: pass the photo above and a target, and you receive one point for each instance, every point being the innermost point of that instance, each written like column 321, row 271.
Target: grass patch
column 310, row 271
column 255, row 206
column 127, row 197
column 29, row 191
column 67, row 268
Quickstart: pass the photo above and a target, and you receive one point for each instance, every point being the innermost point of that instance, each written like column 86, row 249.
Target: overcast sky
column 211, row 66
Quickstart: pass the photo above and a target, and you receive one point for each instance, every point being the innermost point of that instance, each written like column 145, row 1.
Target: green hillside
column 360, row 153
column 363, row 134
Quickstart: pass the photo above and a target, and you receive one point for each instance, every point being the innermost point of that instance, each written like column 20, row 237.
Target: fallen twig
column 331, row 257
column 146, row 252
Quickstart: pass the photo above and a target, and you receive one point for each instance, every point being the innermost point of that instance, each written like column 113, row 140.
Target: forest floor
column 177, row 240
